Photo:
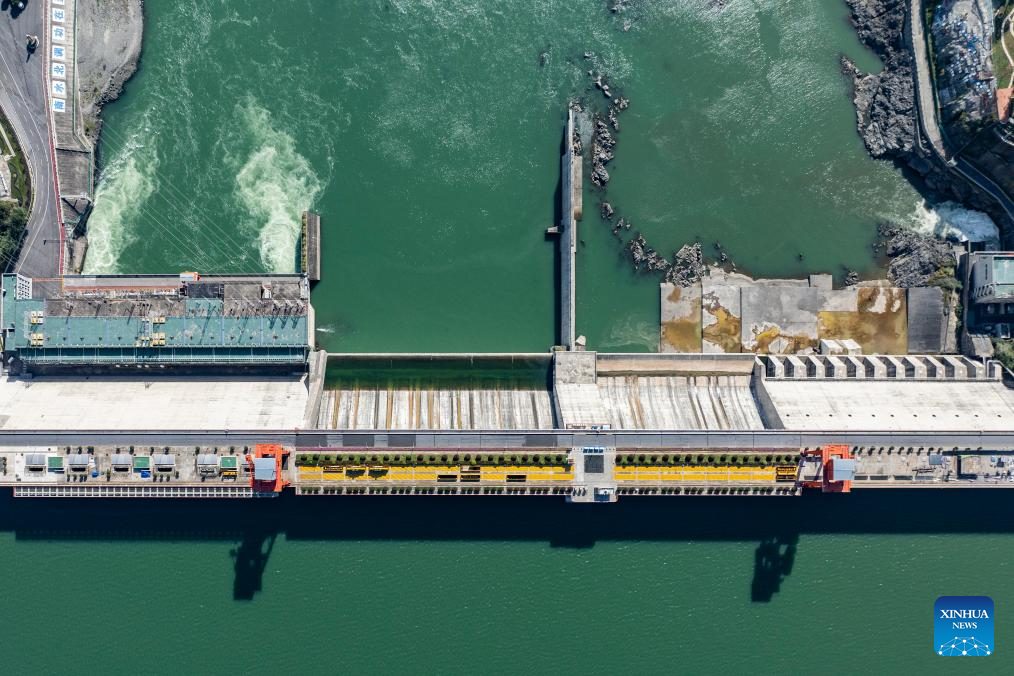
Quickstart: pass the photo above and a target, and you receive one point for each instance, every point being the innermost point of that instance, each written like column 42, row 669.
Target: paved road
column 768, row 439
column 987, row 184
column 23, row 97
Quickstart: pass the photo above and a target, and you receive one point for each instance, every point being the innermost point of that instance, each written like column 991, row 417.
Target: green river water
column 427, row 134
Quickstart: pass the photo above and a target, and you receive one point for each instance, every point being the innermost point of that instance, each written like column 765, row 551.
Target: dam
column 601, row 426
column 204, row 385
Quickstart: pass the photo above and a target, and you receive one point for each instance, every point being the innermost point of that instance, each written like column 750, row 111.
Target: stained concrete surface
column 681, row 319
column 731, row 313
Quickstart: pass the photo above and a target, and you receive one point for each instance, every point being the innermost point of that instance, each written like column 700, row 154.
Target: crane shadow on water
column 778, row 526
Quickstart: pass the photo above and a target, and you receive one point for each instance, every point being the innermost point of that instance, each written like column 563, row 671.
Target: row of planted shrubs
column 697, row 459
column 416, row 459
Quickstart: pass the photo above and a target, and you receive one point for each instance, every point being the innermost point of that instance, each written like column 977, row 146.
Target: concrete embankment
column 108, row 53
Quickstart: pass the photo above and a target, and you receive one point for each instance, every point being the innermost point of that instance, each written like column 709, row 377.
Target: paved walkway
column 73, row 151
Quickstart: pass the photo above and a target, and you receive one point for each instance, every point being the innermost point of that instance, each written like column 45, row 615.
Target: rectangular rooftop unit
column 207, row 464
column 78, row 461
column 121, row 461
column 35, row 461
column 842, row 469
column 264, row 469
column 165, row 461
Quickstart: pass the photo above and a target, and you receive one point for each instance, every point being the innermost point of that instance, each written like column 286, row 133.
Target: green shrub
column 1003, row 350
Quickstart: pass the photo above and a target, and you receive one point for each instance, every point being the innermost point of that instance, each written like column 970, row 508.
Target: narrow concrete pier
column 309, row 246
column 570, row 170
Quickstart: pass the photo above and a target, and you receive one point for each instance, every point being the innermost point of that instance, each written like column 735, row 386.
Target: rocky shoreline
column 109, row 38
column 885, row 102
column 916, row 259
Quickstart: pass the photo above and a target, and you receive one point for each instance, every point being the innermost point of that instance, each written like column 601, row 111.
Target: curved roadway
column 23, row 99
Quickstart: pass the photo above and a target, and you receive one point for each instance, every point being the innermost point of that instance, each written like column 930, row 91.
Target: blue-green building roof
column 128, row 320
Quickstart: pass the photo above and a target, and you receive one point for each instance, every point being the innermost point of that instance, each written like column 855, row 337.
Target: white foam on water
column 950, row 220
column 626, row 332
column 127, row 183
column 275, row 184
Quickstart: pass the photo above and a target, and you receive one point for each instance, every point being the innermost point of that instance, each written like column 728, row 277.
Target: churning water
column 428, row 135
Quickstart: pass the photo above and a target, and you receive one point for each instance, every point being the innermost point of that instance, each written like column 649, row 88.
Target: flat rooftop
column 94, row 403
column 892, row 405
column 1003, row 269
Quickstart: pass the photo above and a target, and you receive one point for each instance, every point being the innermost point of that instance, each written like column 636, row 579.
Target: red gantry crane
column 266, row 468
column 837, row 468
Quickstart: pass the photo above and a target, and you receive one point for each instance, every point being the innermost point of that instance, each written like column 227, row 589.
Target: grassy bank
column 21, row 184
column 1004, row 351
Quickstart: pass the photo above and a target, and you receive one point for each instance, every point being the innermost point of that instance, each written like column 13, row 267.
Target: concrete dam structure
column 600, row 427
column 193, row 385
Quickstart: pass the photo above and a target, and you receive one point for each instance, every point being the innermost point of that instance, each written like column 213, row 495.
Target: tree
column 13, row 220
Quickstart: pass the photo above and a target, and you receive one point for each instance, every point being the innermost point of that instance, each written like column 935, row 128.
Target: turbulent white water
column 950, row 220
column 275, row 184
column 127, row 183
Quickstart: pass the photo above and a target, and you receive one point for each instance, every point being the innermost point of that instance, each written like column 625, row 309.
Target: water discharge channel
column 428, row 135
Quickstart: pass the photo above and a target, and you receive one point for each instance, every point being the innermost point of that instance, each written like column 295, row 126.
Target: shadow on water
column 772, row 563
column 777, row 525
column 249, row 561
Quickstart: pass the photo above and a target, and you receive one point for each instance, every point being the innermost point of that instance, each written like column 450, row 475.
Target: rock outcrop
column 916, row 260
column 685, row 268
column 887, row 118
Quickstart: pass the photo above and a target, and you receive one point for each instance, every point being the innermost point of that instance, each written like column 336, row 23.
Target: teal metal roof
column 204, row 333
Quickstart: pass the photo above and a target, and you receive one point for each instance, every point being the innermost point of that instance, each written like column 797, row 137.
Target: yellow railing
column 694, row 474
column 437, row 473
